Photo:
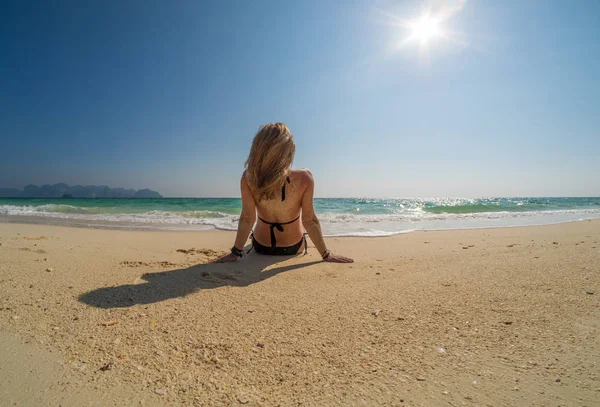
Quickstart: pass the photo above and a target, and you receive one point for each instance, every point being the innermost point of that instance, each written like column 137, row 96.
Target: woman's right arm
column 312, row 225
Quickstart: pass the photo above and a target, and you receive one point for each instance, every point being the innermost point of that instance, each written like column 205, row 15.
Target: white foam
column 218, row 220
column 333, row 224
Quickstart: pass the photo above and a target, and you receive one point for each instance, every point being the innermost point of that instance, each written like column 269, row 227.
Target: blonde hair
column 270, row 159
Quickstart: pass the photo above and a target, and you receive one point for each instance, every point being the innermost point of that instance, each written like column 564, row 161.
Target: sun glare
column 424, row 29
column 429, row 27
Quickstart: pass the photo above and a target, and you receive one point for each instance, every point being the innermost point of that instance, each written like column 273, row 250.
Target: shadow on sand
column 169, row 284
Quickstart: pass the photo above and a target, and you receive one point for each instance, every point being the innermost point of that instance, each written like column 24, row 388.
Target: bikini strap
column 252, row 239
column 305, row 243
column 283, row 189
column 278, row 226
column 280, row 223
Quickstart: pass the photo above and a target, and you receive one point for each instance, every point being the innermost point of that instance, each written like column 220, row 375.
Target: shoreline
column 338, row 217
column 480, row 316
column 123, row 226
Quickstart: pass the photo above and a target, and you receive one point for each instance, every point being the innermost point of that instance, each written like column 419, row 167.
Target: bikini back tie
column 278, row 226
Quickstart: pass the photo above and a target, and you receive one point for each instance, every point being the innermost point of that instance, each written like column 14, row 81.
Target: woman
column 282, row 197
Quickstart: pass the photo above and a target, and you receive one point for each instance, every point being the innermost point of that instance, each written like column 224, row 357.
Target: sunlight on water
column 339, row 216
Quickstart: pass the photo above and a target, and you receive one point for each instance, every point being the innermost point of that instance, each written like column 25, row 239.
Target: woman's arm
column 247, row 219
column 248, row 215
column 312, row 225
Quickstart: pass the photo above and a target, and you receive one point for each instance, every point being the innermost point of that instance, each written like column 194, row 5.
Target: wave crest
column 339, row 217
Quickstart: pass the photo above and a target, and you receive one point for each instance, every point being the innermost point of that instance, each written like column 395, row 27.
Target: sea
column 338, row 216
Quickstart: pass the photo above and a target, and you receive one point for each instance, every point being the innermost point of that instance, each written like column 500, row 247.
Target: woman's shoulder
column 302, row 175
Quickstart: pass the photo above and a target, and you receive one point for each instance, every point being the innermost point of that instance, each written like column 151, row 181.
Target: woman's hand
column 335, row 258
column 228, row 258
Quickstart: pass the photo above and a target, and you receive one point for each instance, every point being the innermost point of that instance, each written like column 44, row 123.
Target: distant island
column 77, row 191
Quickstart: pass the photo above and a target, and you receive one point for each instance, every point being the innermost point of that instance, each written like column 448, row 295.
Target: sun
column 424, row 29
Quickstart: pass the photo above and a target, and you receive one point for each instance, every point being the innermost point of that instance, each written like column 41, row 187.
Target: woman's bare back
column 282, row 211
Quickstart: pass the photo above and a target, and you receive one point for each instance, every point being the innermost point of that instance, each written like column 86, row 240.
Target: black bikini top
column 278, row 225
column 283, row 189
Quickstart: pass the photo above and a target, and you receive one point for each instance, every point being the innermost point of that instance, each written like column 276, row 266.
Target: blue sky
column 168, row 95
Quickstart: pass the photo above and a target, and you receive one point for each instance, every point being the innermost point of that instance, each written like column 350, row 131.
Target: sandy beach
column 486, row 317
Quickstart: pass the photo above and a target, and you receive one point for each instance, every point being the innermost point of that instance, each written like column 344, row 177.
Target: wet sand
column 498, row 317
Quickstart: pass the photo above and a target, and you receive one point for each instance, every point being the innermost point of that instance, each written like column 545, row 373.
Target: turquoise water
column 339, row 216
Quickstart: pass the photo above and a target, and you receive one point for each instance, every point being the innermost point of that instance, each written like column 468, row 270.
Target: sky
column 503, row 101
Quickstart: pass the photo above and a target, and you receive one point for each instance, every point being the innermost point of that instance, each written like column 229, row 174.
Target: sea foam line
column 334, row 224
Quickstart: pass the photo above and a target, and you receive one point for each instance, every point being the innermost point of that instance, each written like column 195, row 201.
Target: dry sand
column 490, row 317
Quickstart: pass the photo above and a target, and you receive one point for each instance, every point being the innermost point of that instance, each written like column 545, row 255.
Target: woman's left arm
column 247, row 219
column 248, row 215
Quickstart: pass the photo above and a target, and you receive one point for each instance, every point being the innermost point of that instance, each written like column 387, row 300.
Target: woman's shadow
column 169, row 284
